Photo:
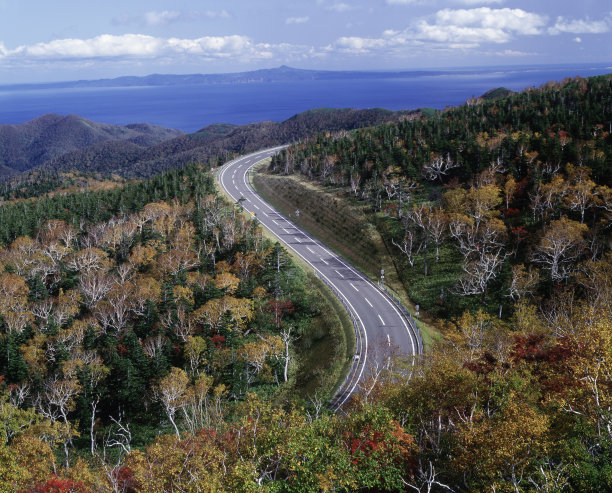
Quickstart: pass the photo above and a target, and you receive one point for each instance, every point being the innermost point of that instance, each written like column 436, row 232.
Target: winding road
column 378, row 321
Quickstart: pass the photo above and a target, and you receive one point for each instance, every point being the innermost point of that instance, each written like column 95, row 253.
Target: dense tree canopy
column 481, row 189
column 149, row 333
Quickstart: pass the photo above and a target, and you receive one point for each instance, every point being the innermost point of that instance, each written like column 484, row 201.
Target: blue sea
column 190, row 108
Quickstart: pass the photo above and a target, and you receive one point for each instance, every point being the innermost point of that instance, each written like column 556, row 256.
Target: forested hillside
column 142, row 308
column 59, row 144
column 30, row 144
column 498, row 214
column 484, row 205
column 152, row 339
column 216, row 142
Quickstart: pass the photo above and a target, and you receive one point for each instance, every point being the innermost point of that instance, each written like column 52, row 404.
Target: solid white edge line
column 365, row 334
column 380, row 293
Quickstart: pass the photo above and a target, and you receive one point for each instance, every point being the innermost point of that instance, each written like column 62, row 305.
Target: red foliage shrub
column 218, row 340
column 533, row 348
column 125, row 480
column 59, row 485
column 519, row 233
column 483, row 366
column 520, row 187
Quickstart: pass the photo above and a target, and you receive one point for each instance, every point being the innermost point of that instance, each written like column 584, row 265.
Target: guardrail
column 407, row 316
column 342, row 393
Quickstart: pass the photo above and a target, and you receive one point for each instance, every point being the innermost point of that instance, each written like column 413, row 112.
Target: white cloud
column 359, row 45
column 105, row 45
column 478, row 2
column 335, row 6
column 156, row 18
column 506, row 20
column 451, row 29
column 212, row 14
column 514, row 53
column 578, row 39
column 140, row 46
column 579, row 26
column 339, row 7
column 297, row 20
column 161, row 18
column 479, row 25
column 210, row 45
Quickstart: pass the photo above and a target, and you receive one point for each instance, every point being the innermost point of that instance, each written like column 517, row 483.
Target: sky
column 44, row 41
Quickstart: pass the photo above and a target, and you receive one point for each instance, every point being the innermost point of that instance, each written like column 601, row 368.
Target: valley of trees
column 55, row 143
column 150, row 335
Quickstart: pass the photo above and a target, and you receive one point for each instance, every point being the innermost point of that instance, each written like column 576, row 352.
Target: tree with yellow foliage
column 560, row 246
column 240, row 312
column 171, row 392
column 256, row 354
column 14, row 307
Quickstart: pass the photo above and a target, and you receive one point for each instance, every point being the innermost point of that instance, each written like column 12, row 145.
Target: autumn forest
column 153, row 338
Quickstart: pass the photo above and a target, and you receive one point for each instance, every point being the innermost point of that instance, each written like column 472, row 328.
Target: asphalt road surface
column 378, row 321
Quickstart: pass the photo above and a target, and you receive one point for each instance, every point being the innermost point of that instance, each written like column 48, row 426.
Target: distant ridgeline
column 54, row 142
column 278, row 74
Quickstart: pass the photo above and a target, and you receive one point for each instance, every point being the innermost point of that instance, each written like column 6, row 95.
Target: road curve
column 378, row 321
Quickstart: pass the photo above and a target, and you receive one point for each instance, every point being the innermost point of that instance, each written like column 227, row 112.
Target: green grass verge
column 327, row 348
column 333, row 221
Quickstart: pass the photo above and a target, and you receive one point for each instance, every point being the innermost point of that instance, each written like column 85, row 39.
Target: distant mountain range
column 279, row 74
column 62, row 143
column 47, row 138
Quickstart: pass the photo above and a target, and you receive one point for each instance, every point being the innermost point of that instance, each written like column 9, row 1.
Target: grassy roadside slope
column 341, row 225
